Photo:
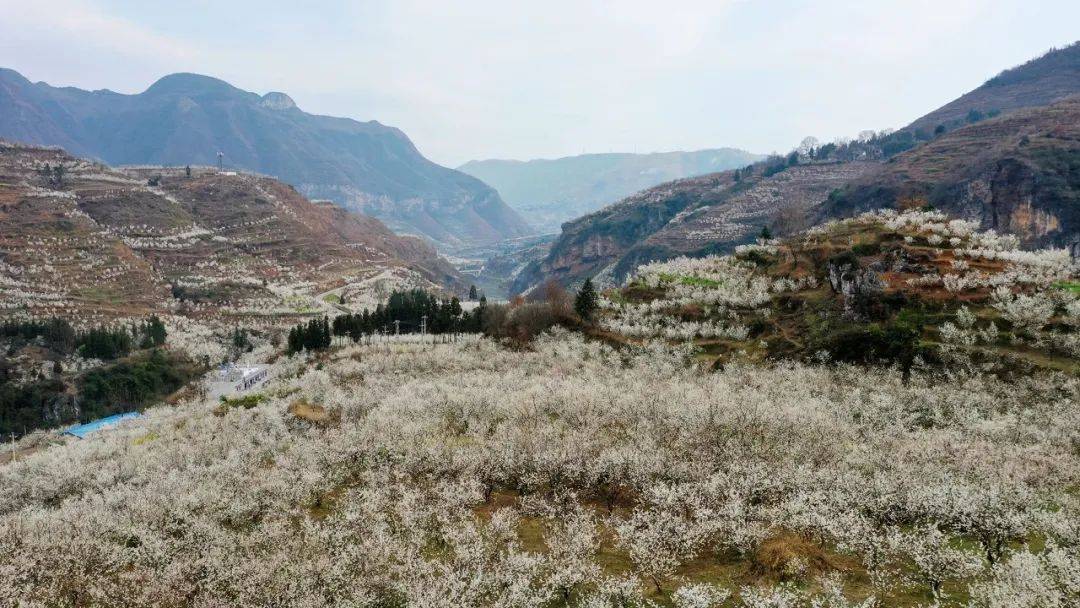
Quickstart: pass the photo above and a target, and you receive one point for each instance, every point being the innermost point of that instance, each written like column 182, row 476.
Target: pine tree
column 472, row 293
column 155, row 331
column 295, row 344
column 587, row 301
column 766, row 234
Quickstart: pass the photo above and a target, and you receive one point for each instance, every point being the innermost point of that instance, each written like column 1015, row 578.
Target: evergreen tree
column 155, row 331
column 766, row 234
column 472, row 293
column 587, row 301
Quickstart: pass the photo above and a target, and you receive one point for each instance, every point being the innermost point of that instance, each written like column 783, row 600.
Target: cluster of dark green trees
column 133, row 383
column 415, row 310
column 122, row 386
column 52, row 175
column 101, row 342
column 406, row 311
column 313, row 335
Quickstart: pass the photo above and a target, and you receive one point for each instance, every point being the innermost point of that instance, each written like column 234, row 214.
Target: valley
column 553, row 191
column 255, row 356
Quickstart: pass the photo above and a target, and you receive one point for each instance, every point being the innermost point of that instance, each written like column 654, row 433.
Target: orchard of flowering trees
column 569, row 473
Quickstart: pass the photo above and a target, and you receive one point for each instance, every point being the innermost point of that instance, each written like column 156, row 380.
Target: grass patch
column 1069, row 286
column 246, row 402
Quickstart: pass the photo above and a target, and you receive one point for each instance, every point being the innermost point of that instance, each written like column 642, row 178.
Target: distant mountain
column 550, row 192
column 187, row 119
column 1039, row 82
column 105, row 242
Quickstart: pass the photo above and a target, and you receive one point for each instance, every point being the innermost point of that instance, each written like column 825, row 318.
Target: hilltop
column 1053, row 77
column 186, row 119
column 552, row 191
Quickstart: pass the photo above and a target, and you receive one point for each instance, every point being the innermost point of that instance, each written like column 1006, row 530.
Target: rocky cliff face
column 1018, row 173
column 186, row 119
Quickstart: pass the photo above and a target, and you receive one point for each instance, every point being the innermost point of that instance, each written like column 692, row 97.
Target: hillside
column 552, row 191
column 1015, row 169
column 97, row 242
column 1039, row 82
column 186, row 119
column 694, row 216
column 1018, row 173
column 909, row 288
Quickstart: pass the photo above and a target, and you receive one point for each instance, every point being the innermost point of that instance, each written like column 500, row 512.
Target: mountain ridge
column 1017, row 171
column 1041, row 81
column 186, row 119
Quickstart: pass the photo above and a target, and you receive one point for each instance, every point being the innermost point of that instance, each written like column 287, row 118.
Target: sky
column 513, row 79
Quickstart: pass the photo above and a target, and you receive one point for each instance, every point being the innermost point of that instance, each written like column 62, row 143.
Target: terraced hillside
column 97, row 241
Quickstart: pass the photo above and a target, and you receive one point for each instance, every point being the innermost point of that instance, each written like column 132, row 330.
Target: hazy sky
column 507, row 79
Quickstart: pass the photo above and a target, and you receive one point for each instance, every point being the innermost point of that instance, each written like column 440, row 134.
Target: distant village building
column 234, row 379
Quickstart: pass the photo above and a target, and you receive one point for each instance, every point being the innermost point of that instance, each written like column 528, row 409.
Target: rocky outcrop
column 858, row 287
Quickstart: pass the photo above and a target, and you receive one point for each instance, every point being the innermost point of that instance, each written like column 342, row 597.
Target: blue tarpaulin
column 82, row 430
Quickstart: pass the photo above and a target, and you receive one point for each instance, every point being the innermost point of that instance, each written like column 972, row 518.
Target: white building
column 235, row 379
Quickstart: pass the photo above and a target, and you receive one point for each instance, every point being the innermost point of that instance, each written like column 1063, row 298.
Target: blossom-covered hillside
column 907, row 288
column 467, row 474
column 730, row 432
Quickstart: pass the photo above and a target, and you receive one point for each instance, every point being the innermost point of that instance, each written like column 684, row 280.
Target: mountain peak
column 185, row 83
column 275, row 100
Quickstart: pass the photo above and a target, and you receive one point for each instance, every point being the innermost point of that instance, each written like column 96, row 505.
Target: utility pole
column 220, row 163
column 423, row 326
